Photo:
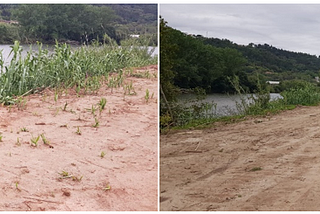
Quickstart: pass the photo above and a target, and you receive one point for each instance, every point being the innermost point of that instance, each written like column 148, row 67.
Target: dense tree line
column 272, row 62
column 194, row 64
column 81, row 22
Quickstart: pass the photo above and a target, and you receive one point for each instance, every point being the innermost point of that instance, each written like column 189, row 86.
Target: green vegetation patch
column 83, row 69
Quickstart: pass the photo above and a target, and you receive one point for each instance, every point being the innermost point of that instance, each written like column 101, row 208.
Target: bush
column 8, row 33
column 305, row 95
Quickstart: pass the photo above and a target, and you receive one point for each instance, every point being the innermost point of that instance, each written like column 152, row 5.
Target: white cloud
column 294, row 27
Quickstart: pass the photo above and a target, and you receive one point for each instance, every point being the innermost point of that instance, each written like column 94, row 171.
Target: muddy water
column 223, row 104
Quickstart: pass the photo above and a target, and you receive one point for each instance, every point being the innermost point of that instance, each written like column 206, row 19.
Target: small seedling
column 75, row 178
column 146, row 97
column 24, row 129
column 96, row 125
column 65, row 106
column 18, row 142
column 17, row 186
column 21, row 103
column 57, row 111
column 1, row 137
column 102, row 154
column 65, row 174
column 102, row 103
column 93, row 110
column 56, row 96
column 35, row 140
column 44, row 139
column 78, row 131
column 108, row 187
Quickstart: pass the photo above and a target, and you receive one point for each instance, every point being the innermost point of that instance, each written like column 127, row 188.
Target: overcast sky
column 293, row 27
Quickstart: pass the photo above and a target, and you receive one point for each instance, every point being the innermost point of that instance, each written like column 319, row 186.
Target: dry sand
column 270, row 163
column 125, row 179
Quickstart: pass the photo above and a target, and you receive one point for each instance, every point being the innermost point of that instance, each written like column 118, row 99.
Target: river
column 6, row 49
column 223, row 104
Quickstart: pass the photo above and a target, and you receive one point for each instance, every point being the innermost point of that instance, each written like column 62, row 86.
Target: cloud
column 294, row 27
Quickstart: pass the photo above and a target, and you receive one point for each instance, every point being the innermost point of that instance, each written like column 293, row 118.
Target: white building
column 273, row 82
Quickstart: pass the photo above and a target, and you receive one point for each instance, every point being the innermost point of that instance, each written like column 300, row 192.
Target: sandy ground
column 70, row 173
column 270, row 163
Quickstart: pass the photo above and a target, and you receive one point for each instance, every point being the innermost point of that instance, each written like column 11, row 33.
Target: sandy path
column 222, row 176
column 127, row 134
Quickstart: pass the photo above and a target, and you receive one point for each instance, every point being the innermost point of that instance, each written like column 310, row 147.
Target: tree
column 167, row 54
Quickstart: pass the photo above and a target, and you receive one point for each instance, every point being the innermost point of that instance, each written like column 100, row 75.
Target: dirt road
column 96, row 161
column 270, row 163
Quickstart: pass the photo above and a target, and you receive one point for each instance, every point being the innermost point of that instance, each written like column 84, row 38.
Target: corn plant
column 44, row 139
column 102, row 103
column 96, row 125
column 34, row 140
column 146, row 97
column 81, row 68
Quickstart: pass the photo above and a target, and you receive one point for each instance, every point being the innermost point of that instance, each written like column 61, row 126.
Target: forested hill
column 190, row 61
column 270, row 58
column 77, row 22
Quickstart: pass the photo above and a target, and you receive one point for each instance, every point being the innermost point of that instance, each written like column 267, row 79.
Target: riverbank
column 262, row 163
column 87, row 158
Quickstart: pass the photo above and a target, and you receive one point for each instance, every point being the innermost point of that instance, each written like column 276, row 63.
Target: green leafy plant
column 146, row 97
column 34, row 140
column 102, row 103
column 44, row 139
column 96, row 123
column 65, row 106
column 93, row 110
column 81, row 69
column 64, row 174
column 56, row 96
column 24, row 129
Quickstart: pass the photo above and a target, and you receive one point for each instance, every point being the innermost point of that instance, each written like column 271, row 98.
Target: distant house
column 273, row 82
column 134, row 36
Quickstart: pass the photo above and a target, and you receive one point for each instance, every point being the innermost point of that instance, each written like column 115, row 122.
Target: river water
column 223, row 104
column 6, row 49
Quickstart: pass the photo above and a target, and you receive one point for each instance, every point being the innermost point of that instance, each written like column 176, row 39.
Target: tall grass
column 66, row 67
column 307, row 94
